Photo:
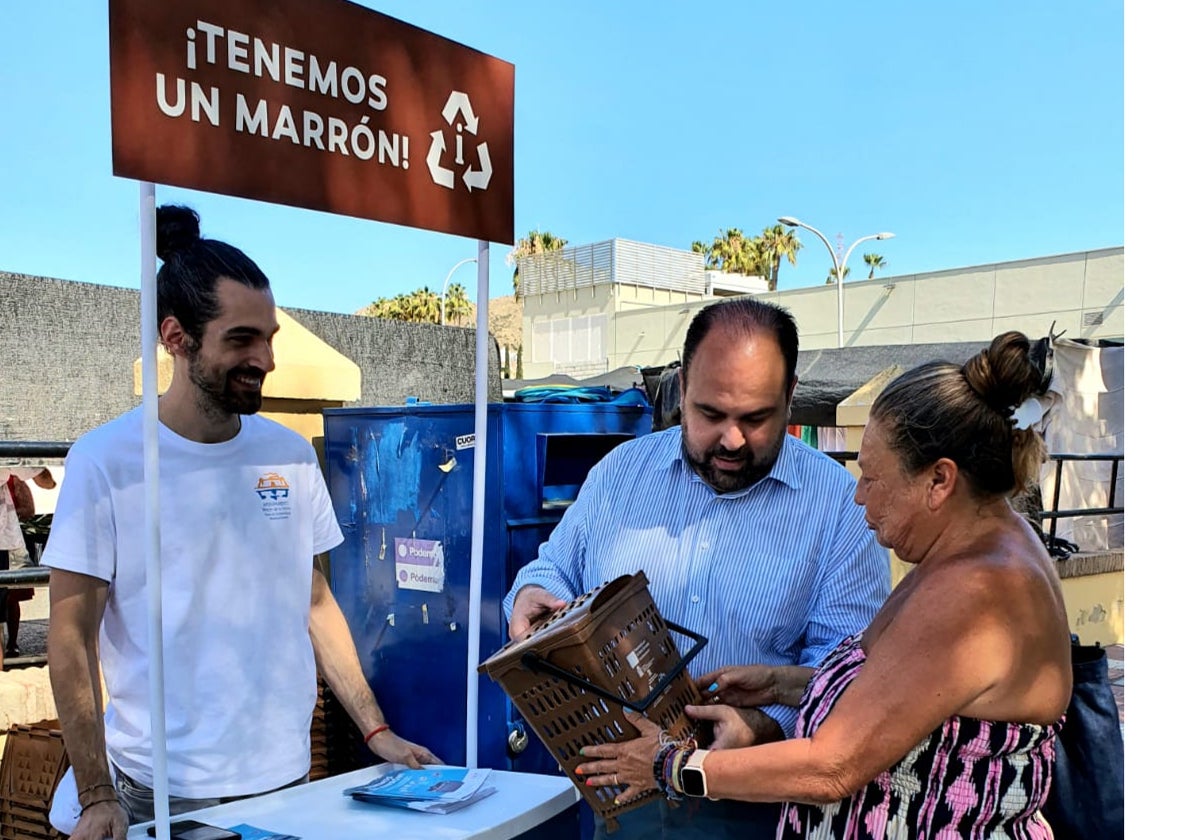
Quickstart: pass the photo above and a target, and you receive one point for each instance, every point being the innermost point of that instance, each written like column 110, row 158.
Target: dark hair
column 747, row 315
column 191, row 267
column 965, row 413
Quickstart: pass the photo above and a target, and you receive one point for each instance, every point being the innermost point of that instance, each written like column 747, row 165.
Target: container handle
column 537, row 664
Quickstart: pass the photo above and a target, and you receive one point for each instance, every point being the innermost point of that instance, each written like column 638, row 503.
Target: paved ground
column 31, row 637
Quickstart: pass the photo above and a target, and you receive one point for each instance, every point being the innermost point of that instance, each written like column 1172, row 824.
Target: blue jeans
column 138, row 799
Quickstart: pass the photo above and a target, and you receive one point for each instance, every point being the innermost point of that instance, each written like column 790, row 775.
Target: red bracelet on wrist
column 381, row 728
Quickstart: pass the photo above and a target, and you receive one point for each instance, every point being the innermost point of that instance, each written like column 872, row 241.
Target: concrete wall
column 398, row 360
column 68, row 351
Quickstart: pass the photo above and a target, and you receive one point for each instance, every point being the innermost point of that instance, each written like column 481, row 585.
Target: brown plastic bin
column 572, row 673
column 34, row 761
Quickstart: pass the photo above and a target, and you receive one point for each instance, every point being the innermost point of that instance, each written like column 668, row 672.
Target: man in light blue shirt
column 747, row 535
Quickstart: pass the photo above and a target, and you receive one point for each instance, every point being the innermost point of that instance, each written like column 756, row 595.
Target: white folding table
column 319, row 811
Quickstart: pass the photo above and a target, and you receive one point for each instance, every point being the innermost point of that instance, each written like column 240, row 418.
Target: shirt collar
column 786, row 469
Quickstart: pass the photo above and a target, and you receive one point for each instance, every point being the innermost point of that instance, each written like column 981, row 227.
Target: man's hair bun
column 178, row 228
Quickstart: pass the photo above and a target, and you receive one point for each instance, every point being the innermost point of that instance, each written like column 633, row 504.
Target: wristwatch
column 692, row 777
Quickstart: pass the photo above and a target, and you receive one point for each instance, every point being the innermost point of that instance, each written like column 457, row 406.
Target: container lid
column 576, row 614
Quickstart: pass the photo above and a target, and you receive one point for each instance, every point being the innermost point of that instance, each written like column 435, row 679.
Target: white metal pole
column 839, row 266
column 841, row 309
column 152, row 545
column 837, row 271
column 842, row 274
column 477, row 504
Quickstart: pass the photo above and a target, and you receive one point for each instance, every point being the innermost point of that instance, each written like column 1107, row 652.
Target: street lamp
column 446, row 283
column 839, row 270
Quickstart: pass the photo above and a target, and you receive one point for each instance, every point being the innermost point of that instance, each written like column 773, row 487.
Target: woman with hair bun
column 940, row 718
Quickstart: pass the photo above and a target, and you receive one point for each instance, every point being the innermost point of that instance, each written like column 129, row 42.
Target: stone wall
column 67, row 351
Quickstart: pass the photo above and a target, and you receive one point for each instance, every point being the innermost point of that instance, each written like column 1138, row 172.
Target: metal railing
column 1054, row 514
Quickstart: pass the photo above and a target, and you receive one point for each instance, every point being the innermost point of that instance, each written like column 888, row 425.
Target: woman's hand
column 628, row 763
column 755, row 685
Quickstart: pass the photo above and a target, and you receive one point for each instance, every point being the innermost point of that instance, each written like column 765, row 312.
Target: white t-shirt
column 240, row 522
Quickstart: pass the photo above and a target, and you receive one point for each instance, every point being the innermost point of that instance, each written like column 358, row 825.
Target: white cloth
column 65, row 809
column 1086, row 416
column 10, row 526
column 241, row 521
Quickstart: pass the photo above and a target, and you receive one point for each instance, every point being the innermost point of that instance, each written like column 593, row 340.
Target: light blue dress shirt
column 776, row 574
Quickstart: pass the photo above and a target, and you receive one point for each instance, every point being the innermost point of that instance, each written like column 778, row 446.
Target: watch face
column 692, row 779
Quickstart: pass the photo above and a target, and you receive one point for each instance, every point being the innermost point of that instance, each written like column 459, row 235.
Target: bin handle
column 537, row 664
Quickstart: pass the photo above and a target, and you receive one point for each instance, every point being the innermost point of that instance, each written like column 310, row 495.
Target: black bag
column 1087, row 791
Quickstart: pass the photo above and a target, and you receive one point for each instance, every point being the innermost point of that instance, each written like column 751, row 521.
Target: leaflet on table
column 429, row 784
column 431, row 806
column 249, row 832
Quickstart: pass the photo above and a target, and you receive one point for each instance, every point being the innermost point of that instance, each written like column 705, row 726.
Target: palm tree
column 535, row 242
column 775, row 243
column 833, row 278
column 731, row 252
column 458, row 305
column 874, row 261
column 426, row 306
column 756, row 261
column 391, row 309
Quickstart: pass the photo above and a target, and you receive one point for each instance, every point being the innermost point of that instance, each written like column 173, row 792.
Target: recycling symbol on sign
column 473, row 179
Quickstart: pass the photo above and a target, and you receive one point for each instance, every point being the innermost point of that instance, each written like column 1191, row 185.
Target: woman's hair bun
column 178, row 228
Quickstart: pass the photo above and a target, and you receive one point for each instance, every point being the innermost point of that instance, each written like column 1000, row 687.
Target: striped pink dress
column 968, row 779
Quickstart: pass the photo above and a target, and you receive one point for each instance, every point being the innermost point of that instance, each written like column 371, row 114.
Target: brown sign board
column 322, row 104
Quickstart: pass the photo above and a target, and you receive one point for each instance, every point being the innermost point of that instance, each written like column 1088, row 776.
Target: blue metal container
column 401, row 483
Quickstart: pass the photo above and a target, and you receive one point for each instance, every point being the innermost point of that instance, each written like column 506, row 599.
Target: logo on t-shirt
column 273, row 491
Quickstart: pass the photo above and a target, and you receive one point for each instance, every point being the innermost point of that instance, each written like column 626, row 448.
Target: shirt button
column 695, row 599
column 704, row 546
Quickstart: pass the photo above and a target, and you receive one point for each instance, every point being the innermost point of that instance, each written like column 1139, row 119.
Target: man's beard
column 218, row 395
column 751, row 471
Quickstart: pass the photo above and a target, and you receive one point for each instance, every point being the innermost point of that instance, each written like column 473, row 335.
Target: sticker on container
column 465, row 441
column 420, row 564
column 641, row 659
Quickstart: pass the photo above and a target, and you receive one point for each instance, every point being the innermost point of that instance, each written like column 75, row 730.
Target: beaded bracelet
column 660, row 762
column 667, row 764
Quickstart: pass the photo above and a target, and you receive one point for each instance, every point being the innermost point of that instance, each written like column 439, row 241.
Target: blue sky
column 976, row 132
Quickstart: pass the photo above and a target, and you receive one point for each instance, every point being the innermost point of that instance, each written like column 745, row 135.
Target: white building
column 597, row 307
